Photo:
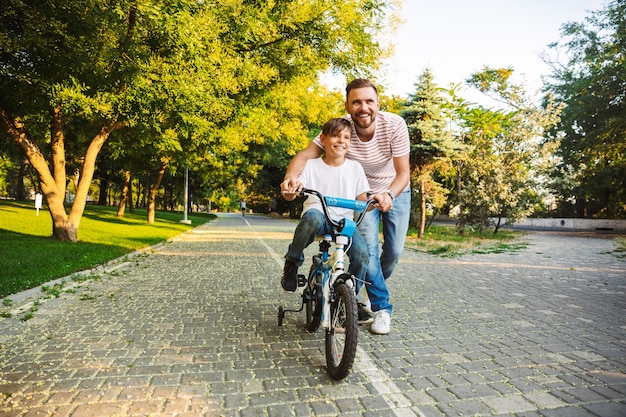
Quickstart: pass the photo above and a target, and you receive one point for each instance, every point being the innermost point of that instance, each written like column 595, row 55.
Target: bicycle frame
column 331, row 268
column 329, row 291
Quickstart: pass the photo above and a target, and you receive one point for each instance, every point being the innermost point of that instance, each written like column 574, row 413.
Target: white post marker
column 38, row 202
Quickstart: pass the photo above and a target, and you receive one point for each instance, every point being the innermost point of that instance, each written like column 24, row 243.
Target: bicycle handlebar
column 328, row 201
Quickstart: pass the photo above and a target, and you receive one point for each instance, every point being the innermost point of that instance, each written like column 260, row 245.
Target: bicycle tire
column 313, row 304
column 343, row 332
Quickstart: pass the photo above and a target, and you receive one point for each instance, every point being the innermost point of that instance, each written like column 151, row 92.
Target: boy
column 331, row 175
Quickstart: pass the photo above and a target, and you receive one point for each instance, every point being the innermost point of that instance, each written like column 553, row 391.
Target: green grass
column 30, row 257
column 444, row 240
column 620, row 251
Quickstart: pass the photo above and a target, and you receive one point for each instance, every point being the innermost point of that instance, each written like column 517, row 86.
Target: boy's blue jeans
column 381, row 266
column 313, row 223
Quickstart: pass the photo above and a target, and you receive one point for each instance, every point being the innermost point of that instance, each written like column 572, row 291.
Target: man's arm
column 403, row 176
column 291, row 183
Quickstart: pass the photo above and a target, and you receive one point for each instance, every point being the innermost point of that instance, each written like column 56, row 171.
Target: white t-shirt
column 391, row 139
column 345, row 181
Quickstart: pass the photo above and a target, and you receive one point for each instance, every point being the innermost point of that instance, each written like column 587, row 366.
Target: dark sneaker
column 364, row 316
column 289, row 280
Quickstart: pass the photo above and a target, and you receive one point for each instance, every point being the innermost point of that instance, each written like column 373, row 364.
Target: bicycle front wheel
column 342, row 333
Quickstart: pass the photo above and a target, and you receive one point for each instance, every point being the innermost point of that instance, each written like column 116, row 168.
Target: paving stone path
column 190, row 329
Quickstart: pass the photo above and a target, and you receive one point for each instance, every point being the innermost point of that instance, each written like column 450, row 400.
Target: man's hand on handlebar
column 379, row 198
column 385, row 203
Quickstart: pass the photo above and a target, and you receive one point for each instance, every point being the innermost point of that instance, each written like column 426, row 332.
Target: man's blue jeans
column 381, row 265
column 313, row 223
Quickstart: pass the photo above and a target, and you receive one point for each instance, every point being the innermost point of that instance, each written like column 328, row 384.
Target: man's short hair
column 359, row 83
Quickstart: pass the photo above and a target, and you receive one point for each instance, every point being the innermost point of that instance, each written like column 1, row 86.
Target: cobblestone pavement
column 190, row 329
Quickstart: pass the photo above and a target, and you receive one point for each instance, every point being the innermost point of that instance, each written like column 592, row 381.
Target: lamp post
column 185, row 220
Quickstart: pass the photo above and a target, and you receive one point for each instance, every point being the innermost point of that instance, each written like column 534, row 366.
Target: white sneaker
column 381, row 323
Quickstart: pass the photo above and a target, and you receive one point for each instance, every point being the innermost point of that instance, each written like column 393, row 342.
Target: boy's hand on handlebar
column 289, row 187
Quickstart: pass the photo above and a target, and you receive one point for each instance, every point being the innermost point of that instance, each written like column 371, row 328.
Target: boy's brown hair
column 336, row 125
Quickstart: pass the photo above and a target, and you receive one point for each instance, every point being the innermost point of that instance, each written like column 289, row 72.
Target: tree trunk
column 459, row 188
column 131, row 206
column 498, row 225
column 432, row 218
column 20, row 188
column 58, row 150
column 422, row 225
column 139, row 194
column 167, row 203
column 105, row 185
column 64, row 230
column 124, row 196
column 153, row 191
column 87, row 171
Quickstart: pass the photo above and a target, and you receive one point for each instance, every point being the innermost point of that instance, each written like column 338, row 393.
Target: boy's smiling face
column 337, row 143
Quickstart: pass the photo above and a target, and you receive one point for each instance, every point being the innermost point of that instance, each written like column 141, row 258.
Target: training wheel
column 281, row 315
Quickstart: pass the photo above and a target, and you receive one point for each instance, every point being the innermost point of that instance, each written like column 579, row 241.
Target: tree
column 432, row 143
column 285, row 121
column 53, row 55
column 590, row 168
column 505, row 149
column 175, row 72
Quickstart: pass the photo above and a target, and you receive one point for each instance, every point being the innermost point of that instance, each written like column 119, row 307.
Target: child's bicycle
column 328, row 294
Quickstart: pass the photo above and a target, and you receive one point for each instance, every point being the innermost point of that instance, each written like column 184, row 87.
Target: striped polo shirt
column 391, row 139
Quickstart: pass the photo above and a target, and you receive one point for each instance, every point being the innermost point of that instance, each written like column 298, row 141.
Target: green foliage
column 222, row 88
column 432, row 145
column 495, row 175
column 6, row 165
column 589, row 168
column 500, row 248
column 447, row 241
column 431, row 139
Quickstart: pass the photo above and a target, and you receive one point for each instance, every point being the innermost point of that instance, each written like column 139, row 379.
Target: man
column 380, row 142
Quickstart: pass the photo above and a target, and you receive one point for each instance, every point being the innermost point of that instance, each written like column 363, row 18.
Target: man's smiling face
column 362, row 105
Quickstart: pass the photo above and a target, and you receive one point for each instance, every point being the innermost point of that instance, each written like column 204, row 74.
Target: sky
column 455, row 38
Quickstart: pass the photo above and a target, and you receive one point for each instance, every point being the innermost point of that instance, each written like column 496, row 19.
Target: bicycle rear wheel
column 343, row 332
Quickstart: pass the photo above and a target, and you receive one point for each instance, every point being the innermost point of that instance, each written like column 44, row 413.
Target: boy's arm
column 292, row 183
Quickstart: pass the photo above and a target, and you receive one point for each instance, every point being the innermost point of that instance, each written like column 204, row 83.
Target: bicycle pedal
column 301, row 280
